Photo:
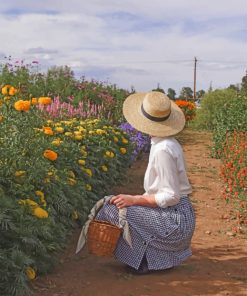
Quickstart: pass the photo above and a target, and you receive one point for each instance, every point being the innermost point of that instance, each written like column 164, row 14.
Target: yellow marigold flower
column 39, row 194
column 59, row 129
column 34, row 101
column 48, row 130
column 125, row 141
column 88, row 187
column 89, row 172
column 79, row 137
column 100, row 132
column 71, row 181
column 123, row 150
column 77, row 133
column 68, row 134
column 20, row 173
column 115, row 139
column 81, row 161
column 30, row 273
column 104, row 168
column 22, row 105
column 28, row 202
column 91, row 132
column 49, row 154
column 44, row 100
column 40, row 213
column 109, row 154
column 57, row 142
column 75, row 215
column 5, row 90
column 82, row 129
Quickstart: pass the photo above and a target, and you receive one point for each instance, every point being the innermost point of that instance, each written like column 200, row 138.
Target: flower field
column 52, row 172
column 64, row 144
column 234, row 174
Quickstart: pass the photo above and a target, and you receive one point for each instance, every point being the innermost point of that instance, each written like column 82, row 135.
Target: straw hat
column 153, row 113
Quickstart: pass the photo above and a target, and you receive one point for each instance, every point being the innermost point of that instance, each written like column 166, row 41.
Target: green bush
column 211, row 104
column 232, row 116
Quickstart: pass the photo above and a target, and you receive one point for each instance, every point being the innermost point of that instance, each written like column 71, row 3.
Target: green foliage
column 211, row 104
column 231, row 117
column 42, row 198
column 186, row 93
column 171, row 93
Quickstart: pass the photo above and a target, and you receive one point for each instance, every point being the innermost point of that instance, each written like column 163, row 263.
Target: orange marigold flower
column 40, row 213
column 49, row 154
column 30, row 273
column 34, row 101
column 12, row 91
column 44, row 100
column 48, row 130
column 9, row 90
column 22, row 105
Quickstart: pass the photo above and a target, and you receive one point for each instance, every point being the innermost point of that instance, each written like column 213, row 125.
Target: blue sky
column 131, row 43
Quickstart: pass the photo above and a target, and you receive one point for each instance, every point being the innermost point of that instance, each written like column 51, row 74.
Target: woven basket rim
column 105, row 223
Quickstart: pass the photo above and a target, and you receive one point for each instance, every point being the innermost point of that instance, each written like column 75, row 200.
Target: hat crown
column 157, row 104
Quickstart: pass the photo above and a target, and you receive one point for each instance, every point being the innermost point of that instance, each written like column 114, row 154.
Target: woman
column 162, row 220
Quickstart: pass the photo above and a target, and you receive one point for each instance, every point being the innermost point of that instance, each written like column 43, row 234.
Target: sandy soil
column 219, row 262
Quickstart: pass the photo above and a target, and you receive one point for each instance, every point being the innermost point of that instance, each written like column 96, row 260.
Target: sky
column 131, row 43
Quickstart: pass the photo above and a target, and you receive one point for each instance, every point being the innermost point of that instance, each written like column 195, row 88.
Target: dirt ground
column 219, row 262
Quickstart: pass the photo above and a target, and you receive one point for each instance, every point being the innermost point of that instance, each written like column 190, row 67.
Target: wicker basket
column 102, row 238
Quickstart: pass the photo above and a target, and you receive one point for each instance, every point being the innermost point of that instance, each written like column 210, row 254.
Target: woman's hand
column 123, row 200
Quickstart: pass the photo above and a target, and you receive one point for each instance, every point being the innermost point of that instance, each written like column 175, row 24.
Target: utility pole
column 194, row 93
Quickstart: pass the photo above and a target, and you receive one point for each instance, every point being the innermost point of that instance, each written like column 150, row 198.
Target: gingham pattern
column 163, row 234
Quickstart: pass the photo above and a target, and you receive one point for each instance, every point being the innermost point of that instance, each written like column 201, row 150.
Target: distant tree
column 234, row 87
column 171, row 93
column 186, row 93
column 244, row 84
column 159, row 89
column 200, row 93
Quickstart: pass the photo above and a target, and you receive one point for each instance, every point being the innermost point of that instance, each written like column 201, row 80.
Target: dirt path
column 219, row 262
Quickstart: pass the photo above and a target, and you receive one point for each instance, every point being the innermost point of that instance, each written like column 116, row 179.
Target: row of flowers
column 234, row 174
column 52, row 172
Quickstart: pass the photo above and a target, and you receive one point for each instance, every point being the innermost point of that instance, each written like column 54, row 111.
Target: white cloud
column 132, row 42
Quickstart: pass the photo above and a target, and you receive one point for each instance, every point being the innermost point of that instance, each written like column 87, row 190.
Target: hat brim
column 133, row 114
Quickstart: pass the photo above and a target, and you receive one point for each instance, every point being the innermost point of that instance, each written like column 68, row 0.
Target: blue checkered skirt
column 163, row 235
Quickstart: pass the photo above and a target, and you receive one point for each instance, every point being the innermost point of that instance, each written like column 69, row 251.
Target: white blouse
column 166, row 176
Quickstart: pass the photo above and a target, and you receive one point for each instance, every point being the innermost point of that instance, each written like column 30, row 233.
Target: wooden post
column 194, row 93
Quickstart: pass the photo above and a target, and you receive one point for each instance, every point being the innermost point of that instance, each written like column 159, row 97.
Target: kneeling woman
column 162, row 220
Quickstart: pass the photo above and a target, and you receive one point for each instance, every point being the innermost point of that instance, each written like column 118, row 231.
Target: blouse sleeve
column 168, row 181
